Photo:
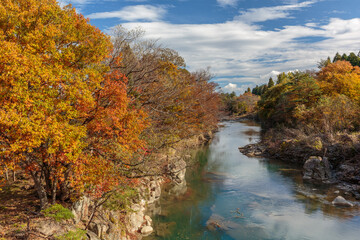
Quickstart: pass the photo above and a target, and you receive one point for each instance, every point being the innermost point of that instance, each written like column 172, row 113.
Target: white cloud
column 253, row 15
column 240, row 51
column 273, row 74
column 232, row 87
column 133, row 13
column 225, row 3
column 238, row 48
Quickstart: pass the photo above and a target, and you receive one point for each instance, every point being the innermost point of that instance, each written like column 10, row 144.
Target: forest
column 85, row 113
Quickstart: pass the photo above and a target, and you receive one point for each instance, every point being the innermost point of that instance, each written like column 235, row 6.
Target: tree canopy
column 79, row 112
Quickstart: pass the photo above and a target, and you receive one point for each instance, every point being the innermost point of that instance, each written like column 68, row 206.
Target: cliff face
column 134, row 223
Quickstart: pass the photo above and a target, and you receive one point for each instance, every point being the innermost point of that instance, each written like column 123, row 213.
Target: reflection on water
column 231, row 196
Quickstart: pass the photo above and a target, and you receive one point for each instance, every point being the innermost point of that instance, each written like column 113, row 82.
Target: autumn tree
column 279, row 103
column 175, row 100
column 340, row 78
column 330, row 114
column 59, row 108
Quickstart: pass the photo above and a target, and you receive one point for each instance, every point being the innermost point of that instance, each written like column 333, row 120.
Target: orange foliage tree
column 58, row 113
column 340, row 77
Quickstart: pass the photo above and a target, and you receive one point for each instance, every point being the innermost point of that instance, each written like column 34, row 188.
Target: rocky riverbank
column 334, row 162
column 135, row 222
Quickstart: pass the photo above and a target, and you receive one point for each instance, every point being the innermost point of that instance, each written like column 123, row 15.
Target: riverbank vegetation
column 316, row 113
column 85, row 113
column 238, row 105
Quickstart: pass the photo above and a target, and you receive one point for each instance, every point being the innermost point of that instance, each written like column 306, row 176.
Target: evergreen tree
column 324, row 63
column 344, row 57
column 255, row 90
column 337, row 57
column 281, row 77
column 270, row 83
column 353, row 59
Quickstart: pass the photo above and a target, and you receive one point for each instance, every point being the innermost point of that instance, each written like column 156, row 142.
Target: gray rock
column 99, row 228
column 252, row 150
column 147, row 230
column 340, row 201
column 80, row 209
column 317, row 168
column 92, row 236
column 48, row 228
column 177, row 170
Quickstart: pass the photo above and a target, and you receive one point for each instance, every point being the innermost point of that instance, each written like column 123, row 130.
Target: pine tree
column 271, row 83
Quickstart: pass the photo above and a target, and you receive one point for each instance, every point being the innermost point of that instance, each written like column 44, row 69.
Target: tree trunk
column 14, row 176
column 64, row 189
column 40, row 189
column 6, row 174
column 53, row 190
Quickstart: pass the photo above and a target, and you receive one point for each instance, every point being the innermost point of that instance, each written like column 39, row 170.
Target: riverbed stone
column 317, row 168
column 340, row 201
column 147, row 230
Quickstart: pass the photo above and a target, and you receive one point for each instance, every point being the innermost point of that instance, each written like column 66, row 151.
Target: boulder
column 317, row 168
column 147, row 230
column 340, row 201
column 92, row 236
column 49, row 228
column 154, row 187
column 177, row 170
column 99, row 228
column 135, row 220
column 253, row 150
column 80, row 209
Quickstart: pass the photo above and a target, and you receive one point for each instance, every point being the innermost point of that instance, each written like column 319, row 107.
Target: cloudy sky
column 244, row 42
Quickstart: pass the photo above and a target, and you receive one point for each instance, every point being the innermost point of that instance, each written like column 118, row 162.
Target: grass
column 58, row 213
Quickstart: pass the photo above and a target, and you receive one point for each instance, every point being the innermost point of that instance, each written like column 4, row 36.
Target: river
column 232, row 196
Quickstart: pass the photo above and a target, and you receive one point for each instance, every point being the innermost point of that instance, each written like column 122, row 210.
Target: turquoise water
column 231, row 196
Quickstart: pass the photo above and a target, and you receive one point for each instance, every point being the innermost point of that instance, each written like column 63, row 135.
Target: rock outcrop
column 317, row 168
column 176, row 173
column 253, row 150
column 113, row 225
column 340, row 201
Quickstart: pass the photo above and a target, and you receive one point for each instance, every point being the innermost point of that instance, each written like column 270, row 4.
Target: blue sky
column 244, row 42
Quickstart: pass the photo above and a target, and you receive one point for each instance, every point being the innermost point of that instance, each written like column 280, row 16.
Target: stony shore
column 345, row 176
column 134, row 223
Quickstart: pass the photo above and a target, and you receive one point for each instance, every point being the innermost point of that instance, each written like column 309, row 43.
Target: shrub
column 78, row 234
column 58, row 213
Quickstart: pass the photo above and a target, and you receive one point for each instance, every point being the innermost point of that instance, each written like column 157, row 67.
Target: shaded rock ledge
column 113, row 225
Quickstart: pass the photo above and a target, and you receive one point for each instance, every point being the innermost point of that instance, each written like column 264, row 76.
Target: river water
column 231, row 196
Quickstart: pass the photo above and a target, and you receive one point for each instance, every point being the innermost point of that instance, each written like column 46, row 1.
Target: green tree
column 337, row 57
column 278, row 104
column 353, row 59
column 271, row 83
column 344, row 57
column 281, row 78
